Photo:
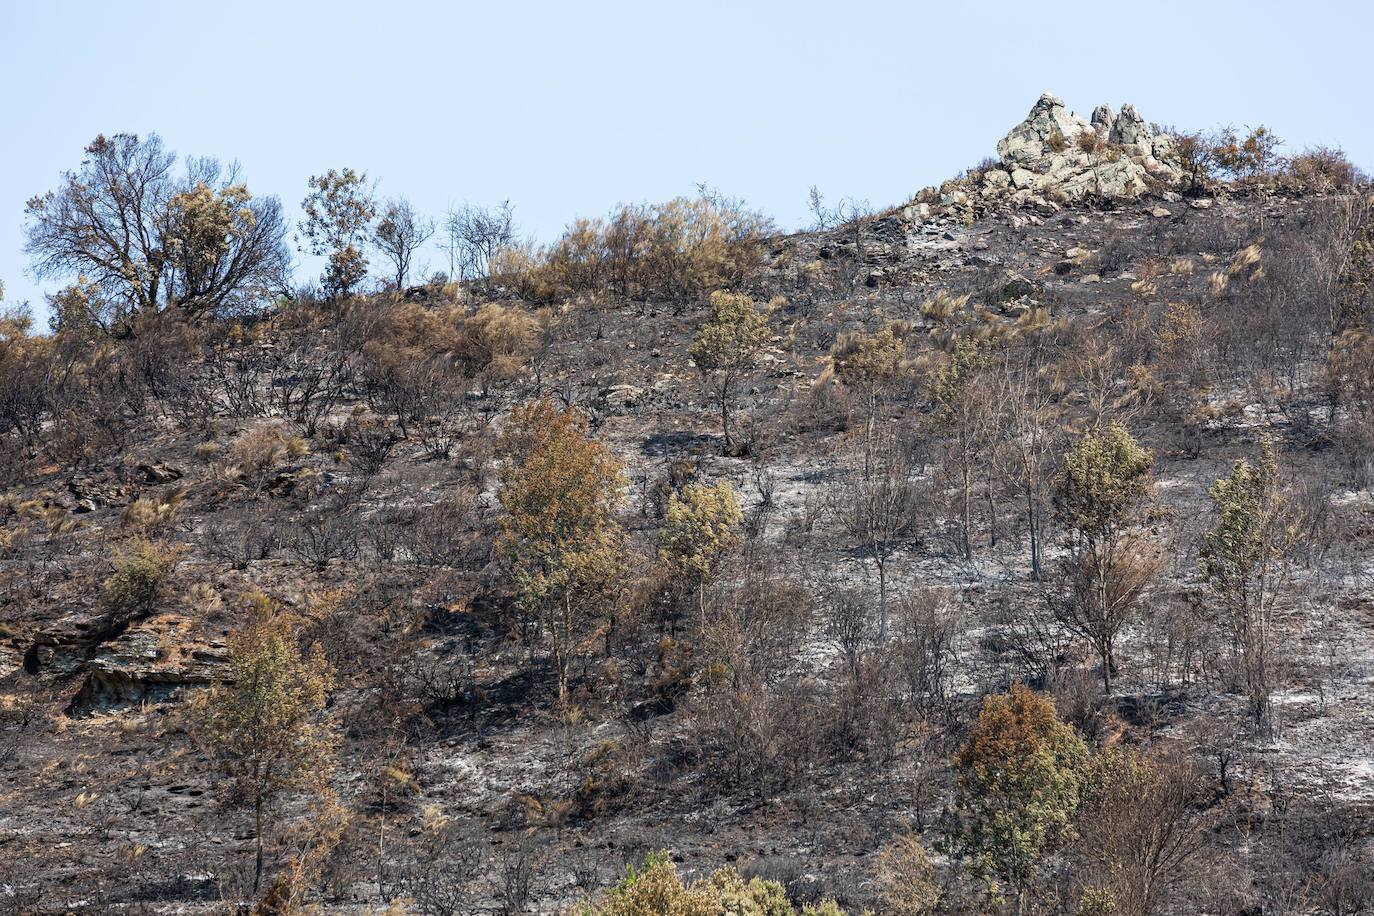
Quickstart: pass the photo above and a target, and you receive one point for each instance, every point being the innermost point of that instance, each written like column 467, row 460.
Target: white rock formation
column 1055, row 152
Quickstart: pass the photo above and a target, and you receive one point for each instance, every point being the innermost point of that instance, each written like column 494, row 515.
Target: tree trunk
column 257, row 832
column 968, row 511
column 882, row 596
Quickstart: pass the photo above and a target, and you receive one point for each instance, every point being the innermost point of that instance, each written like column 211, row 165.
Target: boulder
column 1122, row 178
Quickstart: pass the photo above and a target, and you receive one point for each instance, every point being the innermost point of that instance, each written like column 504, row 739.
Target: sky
column 568, row 108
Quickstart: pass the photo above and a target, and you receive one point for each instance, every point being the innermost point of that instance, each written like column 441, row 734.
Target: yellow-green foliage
column 867, row 360
column 656, row 890
column 560, row 489
column 338, row 211
column 700, row 526
column 732, row 335
column 140, row 571
column 1019, row 778
column 1105, row 475
column 728, row 344
column 265, row 726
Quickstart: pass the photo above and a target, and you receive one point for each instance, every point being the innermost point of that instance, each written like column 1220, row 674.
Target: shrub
column 1019, row 778
column 151, row 515
column 140, row 571
column 674, row 251
column 906, row 879
column 656, row 890
column 1323, row 168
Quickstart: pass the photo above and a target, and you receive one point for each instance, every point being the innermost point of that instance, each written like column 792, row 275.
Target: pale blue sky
column 568, row 108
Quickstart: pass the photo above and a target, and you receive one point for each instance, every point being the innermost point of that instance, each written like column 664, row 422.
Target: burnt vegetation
column 964, row 557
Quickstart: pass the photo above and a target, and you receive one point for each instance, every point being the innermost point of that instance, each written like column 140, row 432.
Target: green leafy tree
column 701, row 525
column 339, row 211
column 727, row 346
column 264, row 724
column 1104, row 480
column 1243, row 564
column 1018, row 781
column 560, row 490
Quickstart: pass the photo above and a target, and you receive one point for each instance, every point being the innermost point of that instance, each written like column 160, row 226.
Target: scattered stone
column 1202, row 203
column 158, row 473
column 1160, row 213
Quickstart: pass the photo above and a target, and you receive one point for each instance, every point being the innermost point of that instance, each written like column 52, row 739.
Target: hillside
column 561, row 619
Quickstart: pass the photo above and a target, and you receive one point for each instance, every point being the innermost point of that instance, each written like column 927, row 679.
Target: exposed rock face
column 1056, row 153
column 1048, row 125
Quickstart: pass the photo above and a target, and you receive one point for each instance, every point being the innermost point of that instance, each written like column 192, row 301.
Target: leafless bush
column 927, row 629
column 446, row 533
column 517, row 875
column 242, row 537
column 442, row 879
column 323, row 536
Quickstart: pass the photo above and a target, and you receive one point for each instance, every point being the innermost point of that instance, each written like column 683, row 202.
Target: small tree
column 700, row 526
column 727, row 346
column 963, row 416
column 878, row 509
column 1139, row 824
column 144, row 237
column 560, row 490
column 338, row 212
column 1243, row 563
column 401, row 232
column 1019, row 776
column 475, row 235
column 264, row 723
column 1197, row 156
column 1105, row 477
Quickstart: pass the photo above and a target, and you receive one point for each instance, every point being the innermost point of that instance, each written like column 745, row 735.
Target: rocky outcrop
column 143, row 664
column 1052, row 159
column 1055, row 153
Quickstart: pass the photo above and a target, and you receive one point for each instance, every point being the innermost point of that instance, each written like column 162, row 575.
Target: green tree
column 1104, row 479
column 1018, row 780
column 560, row 490
column 727, row 346
column 144, row 237
column 700, row 526
column 1243, row 563
column 339, row 211
column 265, row 723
